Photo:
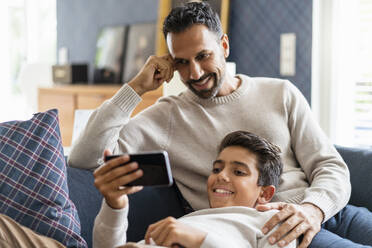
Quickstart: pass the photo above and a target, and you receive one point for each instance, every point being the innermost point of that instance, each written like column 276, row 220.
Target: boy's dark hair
column 269, row 163
column 182, row 18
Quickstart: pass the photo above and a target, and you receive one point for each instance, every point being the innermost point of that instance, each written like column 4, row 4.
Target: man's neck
column 230, row 84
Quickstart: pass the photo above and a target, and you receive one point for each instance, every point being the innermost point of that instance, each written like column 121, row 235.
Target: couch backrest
column 86, row 197
column 359, row 162
column 146, row 207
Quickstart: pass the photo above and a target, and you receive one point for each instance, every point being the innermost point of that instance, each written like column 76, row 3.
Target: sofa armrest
column 359, row 162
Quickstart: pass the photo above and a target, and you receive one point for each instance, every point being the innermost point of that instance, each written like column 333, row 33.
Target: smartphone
column 155, row 166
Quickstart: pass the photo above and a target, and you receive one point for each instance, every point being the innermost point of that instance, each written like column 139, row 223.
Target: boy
column 245, row 174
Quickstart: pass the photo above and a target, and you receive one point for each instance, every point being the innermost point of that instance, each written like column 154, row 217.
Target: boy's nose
column 223, row 177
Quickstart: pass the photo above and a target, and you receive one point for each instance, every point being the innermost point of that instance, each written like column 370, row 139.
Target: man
column 315, row 182
column 244, row 174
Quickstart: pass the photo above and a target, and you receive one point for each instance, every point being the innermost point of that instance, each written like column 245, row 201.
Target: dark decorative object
column 70, row 74
column 110, row 50
column 140, row 45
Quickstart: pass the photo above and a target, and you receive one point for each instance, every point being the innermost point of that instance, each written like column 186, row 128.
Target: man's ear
column 225, row 45
column 267, row 192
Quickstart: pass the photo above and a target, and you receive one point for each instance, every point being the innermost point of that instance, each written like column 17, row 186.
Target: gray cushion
column 359, row 162
column 86, row 197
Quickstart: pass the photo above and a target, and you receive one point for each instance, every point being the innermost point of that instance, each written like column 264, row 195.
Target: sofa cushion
column 86, row 197
column 33, row 184
column 359, row 162
column 146, row 207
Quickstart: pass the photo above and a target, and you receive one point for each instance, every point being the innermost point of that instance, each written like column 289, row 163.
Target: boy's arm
column 170, row 231
column 111, row 223
column 110, row 227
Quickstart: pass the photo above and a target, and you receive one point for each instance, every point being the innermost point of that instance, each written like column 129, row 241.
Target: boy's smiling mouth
column 221, row 191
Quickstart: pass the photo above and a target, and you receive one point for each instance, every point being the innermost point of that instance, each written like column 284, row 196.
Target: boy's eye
column 239, row 173
column 216, row 170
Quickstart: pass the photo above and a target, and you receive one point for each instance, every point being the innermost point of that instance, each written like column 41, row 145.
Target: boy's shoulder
column 234, row 210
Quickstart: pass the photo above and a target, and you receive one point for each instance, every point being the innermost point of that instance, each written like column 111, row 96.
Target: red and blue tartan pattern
column 33, row 180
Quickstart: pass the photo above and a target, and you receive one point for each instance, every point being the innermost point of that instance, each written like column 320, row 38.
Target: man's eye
column 181, row 62
column 216, row 170
column 202, row 56
column 239, row 173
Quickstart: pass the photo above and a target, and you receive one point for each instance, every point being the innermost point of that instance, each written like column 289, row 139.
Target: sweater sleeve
column 110, row 227
column 324, row 168
column 110, row 127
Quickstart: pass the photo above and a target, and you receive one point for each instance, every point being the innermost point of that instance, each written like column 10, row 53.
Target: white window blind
column 362, row 131
column 342, row 70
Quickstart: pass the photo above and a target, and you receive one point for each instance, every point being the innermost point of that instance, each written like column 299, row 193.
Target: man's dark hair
column 182, row 18
column 269, row 163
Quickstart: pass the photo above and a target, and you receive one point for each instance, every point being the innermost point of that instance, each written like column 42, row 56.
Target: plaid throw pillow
column 33, row 181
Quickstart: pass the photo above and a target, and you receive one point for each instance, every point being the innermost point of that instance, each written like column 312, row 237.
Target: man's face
column 233, row 181
column 199, row 57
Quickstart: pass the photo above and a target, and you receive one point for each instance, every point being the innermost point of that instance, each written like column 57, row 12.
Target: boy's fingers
column 109, row 165
column 128, row 178
column 106, row 153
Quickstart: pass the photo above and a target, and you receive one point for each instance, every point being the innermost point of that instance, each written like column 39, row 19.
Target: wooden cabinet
column 68, row 98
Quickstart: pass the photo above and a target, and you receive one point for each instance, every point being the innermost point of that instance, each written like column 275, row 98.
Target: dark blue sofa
column 153, row 204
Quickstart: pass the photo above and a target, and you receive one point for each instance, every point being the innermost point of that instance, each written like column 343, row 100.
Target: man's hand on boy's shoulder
column 304, row 219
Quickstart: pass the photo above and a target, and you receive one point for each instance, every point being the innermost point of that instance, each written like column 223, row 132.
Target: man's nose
column 195, row 70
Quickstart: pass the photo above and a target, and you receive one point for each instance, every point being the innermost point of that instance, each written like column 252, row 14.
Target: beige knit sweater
column 232, row 227
column 191, row 128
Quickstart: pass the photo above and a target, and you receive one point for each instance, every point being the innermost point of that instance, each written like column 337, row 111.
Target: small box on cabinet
column 70, row 74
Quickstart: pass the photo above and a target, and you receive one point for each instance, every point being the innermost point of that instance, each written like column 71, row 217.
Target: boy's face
column 233, row 181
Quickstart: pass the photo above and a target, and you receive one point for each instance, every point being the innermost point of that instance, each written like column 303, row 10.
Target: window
column 28, row 29
column 342, row 64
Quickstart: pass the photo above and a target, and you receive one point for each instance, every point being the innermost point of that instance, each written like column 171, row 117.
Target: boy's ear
column 267, row 192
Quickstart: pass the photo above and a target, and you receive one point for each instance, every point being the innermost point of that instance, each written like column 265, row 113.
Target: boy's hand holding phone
column 110, row 177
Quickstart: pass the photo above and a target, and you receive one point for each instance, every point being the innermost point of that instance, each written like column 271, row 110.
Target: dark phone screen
column 154, row 167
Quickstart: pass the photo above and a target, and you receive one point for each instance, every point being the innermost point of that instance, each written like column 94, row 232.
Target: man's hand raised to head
column 304, row 219
column 153, row 74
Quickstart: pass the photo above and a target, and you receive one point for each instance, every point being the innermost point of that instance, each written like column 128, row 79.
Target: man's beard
column 207, row 93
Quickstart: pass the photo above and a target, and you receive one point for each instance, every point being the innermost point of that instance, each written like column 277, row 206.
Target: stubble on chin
column 210, row 93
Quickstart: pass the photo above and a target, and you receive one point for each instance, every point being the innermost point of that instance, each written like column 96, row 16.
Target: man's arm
column 325, row 170
column 107, row 124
